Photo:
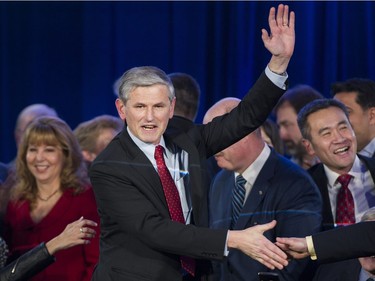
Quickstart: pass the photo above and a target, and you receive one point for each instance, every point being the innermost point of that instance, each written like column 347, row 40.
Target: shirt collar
column 332, row 176
column 251, row 172
column 148, row 148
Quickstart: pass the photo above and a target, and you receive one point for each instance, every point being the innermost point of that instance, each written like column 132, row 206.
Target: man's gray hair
column 143, row 76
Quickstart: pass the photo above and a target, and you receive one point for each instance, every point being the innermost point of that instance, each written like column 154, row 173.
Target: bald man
column 273, row 188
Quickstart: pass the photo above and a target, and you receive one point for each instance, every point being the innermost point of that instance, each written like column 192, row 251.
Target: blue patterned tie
column 238, row 199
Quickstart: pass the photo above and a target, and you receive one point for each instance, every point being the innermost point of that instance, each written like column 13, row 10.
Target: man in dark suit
column 328, row 134
column 353, row 241
column 139, row 240
column 275, row 189
column 358, row 95
column 361, row 269
column 336, row 248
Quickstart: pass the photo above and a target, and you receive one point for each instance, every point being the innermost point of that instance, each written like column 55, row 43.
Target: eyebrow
column 328, row 127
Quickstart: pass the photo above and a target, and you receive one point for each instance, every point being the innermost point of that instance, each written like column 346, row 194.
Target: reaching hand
column 280, row 42
column 294, row 247
column 75, row 233
column 252, row 242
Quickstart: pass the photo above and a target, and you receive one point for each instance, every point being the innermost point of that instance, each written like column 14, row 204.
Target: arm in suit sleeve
column 250, row 113
column 131, row 203
column 347, row 242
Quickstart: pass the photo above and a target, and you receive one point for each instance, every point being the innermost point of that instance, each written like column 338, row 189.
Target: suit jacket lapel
column 141, row 164
column 221, row 200
column 318, row 174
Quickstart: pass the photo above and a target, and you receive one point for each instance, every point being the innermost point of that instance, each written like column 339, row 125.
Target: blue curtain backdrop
column 68, row 54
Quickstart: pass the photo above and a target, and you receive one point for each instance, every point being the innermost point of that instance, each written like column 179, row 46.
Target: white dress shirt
column 251, row 173
column 361, row 186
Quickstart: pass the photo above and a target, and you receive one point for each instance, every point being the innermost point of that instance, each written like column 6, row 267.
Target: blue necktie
column 238, row 199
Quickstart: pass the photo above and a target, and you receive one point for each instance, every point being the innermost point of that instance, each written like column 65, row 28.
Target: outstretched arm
column 341, row 243
column 280, row 42
column 294, row 247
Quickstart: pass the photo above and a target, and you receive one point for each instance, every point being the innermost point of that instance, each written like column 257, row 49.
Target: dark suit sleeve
column 251, row 112
column 347, row 242
column 131, row 203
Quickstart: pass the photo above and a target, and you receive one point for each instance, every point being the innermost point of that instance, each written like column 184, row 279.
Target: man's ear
column 120, row 108
column 371, row 115
column 308, row 146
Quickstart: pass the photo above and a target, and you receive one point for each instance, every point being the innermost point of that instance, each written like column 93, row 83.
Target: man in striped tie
column 257, row 186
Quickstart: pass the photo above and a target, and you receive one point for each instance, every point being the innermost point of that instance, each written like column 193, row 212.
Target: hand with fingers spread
column 294, row 247
column 76, row 233
column 252, row 242
column 280, row 42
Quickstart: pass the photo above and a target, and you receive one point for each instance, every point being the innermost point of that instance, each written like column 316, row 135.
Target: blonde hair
column 55, row 132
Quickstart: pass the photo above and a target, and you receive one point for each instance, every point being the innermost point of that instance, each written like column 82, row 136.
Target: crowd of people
column 281, row 181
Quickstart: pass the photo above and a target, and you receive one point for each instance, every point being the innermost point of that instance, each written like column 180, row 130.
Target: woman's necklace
column 49, row 196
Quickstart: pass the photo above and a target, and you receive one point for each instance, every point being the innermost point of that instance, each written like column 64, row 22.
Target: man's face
column 332, row 139
column 359, row 118
column 288, row 128
column 147, row 112
column 232, row 158
column 368, row 264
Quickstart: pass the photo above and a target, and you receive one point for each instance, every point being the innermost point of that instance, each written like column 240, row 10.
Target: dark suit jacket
column 339, row 271
column 282, row 191
column 318, row 174
column 357, row 240
column 138, row 239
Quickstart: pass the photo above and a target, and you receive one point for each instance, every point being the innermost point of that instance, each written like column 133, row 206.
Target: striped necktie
column 238, row 198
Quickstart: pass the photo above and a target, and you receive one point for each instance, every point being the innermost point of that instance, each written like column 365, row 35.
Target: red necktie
column 173, row 201
column 345, row 203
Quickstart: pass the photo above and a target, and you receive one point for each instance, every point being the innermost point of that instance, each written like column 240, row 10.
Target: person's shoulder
column 284, row 165
column 287, row 171
column 369, row 161
column 223, row 175
column 316, row 170
column 178, row 121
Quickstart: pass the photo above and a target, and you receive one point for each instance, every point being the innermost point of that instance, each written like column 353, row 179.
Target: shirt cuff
column 226, row 251
column 310, row 248
column 278, row 79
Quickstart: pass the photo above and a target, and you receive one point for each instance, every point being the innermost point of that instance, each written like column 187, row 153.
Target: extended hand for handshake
column 272, row 255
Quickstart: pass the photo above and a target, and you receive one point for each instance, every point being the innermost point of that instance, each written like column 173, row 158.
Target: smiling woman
column 51, row 190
